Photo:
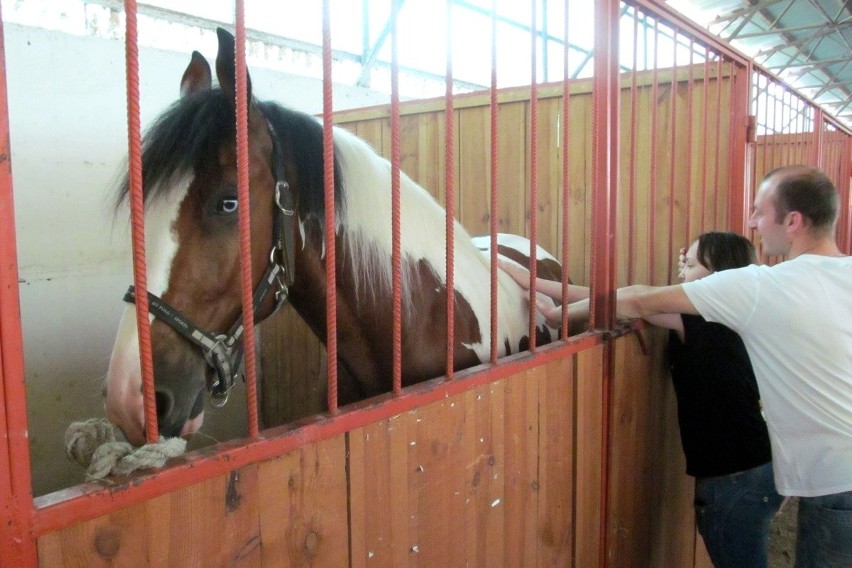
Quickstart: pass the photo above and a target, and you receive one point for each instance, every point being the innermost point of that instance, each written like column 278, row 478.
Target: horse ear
column 225, row 66
column 196, row 77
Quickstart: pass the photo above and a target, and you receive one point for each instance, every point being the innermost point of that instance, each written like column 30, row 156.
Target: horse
column 192, row 242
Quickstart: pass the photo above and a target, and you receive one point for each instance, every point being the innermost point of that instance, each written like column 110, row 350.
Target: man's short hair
column 806, row 190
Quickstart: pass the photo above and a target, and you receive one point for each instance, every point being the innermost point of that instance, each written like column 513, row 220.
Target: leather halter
column 223, row 352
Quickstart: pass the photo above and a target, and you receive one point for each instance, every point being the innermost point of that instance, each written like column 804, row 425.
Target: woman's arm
column 551, row 288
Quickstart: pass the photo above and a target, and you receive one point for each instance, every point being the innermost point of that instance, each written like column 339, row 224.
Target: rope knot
column 95, row 444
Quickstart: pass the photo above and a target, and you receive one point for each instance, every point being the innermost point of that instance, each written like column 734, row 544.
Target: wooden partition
column 669, row 191
column 502, row 474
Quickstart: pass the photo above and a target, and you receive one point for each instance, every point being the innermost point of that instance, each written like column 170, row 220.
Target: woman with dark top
column 722, row 429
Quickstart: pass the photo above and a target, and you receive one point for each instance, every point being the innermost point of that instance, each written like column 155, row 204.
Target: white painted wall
column 69, row 138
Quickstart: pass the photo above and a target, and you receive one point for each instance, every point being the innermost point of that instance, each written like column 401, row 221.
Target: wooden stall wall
column 469, row 479
column 669, row 191
column 504, row 474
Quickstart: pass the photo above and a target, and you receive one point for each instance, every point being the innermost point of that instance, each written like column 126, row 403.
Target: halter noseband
column 223, row 352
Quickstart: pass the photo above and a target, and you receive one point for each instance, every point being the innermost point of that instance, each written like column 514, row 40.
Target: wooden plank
column 379, row 501
column 587, row 456
column 556, row 465
column 630, row 479
column 209, row 524
column 302, row 509
column 521, row 433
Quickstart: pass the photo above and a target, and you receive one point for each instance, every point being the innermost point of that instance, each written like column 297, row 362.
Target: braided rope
column 95, row 444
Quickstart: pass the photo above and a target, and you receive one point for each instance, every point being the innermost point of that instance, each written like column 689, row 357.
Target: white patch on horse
column 369, row 222
column 160, row 245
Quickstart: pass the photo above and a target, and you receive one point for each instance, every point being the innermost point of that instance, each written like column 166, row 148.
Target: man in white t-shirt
column 795, row 319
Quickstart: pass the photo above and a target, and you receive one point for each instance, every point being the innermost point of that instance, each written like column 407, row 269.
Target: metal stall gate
column 656, row 132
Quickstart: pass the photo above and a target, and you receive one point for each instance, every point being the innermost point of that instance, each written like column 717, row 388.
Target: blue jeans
column 734, row 513
column 825, row 531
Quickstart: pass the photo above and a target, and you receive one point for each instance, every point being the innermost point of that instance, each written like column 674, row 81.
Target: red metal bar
column 450, row 182
column 718, row 176
column 84, row 502
column 739, row 186
column 494, row 113
column 566, row 167
column 246, row 280
column 17, row 544
column 705, row 138
column 396, row 260
column 673, row 162
column 606, row 91
column 631, row 192
column 652, row 206
column 846, row 204
column 533, row 214
column 137, row 220
column 817, row 152
column 788, row 127
column 690, row 96
column 328, row 185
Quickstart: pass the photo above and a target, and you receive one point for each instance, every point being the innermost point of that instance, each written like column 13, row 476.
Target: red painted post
column 739, row 188
column 605, row 141
column 17, row 544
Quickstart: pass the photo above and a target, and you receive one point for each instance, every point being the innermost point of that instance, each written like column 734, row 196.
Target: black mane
column 192, row 129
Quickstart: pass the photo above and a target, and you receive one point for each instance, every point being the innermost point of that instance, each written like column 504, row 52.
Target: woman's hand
column 681, row 262
column 518, row 273
column 552, row 313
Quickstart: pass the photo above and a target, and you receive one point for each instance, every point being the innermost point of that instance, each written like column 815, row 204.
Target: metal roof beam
column 747, row 12
column 771, row 32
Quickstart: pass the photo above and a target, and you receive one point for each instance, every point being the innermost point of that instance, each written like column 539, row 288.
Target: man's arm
column 645, row 301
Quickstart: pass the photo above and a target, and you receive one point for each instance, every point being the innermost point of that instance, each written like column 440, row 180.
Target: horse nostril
column 165, row 402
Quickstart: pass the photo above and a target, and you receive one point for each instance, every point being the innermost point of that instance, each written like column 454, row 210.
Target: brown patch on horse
column 546, row 268
column 365, row 324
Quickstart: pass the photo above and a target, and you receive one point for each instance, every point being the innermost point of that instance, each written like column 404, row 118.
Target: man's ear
column 795, row 221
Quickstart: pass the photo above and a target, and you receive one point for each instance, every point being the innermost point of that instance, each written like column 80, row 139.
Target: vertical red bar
column 328, row 185
column 17, row 544
column 739, row 186
column 494, row 112
column 566, row 166
column 690, row 96
column 137, row 206
column 605, row 101
column 634, row 118
column 789, row 136
column 705, row 136
column 450, row 181
column 533, row 167
column 396, row 204
column 246, row 280
column 817, row 150
column 652, row 206
column 846, row 194
column 718, row 167
column 673, row 162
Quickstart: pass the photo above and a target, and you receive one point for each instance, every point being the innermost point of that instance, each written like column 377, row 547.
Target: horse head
column 192, row 242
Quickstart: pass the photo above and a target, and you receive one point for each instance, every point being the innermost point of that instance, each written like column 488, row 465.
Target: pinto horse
column 190, row 192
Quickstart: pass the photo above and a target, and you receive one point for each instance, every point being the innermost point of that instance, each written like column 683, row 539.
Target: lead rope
column 99, row 446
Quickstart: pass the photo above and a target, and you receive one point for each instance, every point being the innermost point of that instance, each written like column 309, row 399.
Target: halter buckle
column 219, row 357
column 280, row 187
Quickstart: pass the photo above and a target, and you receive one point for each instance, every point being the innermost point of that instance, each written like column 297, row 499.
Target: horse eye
column 227, row 206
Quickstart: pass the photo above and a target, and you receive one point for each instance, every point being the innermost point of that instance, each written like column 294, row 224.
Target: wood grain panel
column 209, row 524
column 588, row 442
column 557, row 467
column 302, row 507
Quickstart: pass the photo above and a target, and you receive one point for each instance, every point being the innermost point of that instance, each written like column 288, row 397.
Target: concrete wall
column 69, row 139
